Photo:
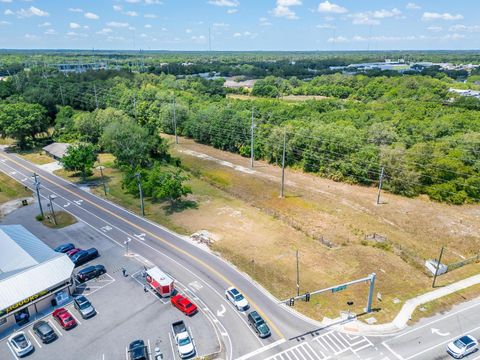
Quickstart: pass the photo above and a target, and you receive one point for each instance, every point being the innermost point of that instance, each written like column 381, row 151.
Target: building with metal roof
column 57, row 150
column 31, row 276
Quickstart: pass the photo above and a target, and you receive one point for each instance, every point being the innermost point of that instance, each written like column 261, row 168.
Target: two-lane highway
column 204, row 273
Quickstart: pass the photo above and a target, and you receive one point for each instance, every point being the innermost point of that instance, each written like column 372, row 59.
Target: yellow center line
column 201, row 262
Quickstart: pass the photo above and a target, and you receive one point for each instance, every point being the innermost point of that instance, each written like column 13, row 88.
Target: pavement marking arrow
column 66, row 205
column 140, row 236
column 438, row 332
column 221, row 312
column 78, row 202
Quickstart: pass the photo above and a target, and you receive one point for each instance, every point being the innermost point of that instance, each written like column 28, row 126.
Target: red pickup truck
column 184, row 305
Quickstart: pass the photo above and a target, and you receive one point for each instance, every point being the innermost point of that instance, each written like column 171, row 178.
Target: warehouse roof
column 28, row 266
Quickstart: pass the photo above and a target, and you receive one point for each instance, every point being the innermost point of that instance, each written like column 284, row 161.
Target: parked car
column 258, row 324
column 64, row 248
column 138, row 350
column 183, row 340
column 72, row 252
column 462, row 346
column 184, row 305
column 44, row 331
column 64, row 318
column 20, row 344
column 91, row 272
column 84, row 307
column 84, row 256
column 237, row 299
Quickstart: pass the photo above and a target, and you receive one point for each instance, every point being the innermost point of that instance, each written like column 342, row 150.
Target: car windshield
column 183, row 342
column 84, row 305
column 459, row 343
column 19, row 339
column 239, row 297
column 263, row 328
column 188, row 305
column 45, row 329
column 67, row 319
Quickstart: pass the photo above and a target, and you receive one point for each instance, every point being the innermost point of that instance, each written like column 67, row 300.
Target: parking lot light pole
column 103, row 178
column 51, row 197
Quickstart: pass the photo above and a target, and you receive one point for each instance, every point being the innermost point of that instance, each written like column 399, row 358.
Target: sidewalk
column 407, row 310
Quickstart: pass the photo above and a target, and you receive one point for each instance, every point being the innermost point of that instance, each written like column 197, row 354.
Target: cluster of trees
column 426, row 143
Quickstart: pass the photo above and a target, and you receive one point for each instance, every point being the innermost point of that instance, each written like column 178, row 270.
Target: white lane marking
column 148, row 347
column 34, row 338
column 11, row 350
column 398, row 356
column 293, row 352
column 103, row 356
column 222, row 311
column 262, row 349
column 140, row 236
column 126, row 352
column 433, row 322
column 439, row 344
column 53, row 325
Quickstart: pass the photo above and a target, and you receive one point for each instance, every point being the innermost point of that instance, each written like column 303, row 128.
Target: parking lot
column 125, row 311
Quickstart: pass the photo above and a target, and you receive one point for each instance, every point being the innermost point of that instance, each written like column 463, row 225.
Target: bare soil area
column 331, row 225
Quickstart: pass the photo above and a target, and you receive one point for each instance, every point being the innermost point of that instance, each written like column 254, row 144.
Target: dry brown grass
column 37, row 157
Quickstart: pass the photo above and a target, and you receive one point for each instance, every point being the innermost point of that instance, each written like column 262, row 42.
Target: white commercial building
column 33, row 277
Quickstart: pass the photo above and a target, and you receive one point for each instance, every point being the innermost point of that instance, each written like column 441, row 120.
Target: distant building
column 467, row 92
column 33, row 277
column 57, row 150
column 246, row 84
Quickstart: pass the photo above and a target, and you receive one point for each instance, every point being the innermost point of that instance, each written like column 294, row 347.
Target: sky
column 226, row 25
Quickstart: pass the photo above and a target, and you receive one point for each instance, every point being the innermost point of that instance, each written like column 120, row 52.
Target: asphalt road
column 203, row 273
column 206, row 276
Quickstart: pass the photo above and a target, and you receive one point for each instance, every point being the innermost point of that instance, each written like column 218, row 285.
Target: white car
column 237, row 299
column 462, row 346
column 20, row 344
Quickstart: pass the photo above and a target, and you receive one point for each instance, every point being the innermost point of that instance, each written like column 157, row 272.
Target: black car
column 91, row 272
column 64, row 248
column 258, row 324
column 138, row 350
column 44, row 331
column 84, row 256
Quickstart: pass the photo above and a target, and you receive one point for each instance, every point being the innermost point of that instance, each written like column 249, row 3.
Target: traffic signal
column 291, row 302
column 307, row 297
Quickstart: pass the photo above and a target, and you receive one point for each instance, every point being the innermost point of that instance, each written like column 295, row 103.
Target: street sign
column 339, row 288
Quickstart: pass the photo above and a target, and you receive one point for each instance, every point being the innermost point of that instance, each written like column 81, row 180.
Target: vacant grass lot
column 10, row 189
column 260, row 233
column 36, row 156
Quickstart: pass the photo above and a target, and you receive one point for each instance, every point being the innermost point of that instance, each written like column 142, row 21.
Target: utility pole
column 37, row 188
column 61, row 95
column 252, row 129
column 436, row 268
column 282, row 192
column 370, row 292
column 298, row 276
column 96, row 97
column 51, row 197
column 140, row 190
column 175, row 119
column 380, row 183
column 103, row 179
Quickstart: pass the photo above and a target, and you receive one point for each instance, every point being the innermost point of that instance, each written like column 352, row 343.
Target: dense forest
column 426, row 140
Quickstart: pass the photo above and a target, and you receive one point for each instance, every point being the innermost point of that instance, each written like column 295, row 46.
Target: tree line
column 426, row 142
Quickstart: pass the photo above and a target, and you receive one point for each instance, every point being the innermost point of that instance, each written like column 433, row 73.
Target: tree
column 131, row 144
column 91, row 125
column 166, row 185
column 22, row 121
column 80, row 157
column 64, row 125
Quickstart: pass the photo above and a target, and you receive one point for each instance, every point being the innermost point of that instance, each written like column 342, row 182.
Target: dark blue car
column 84, row 256
column 64, row 248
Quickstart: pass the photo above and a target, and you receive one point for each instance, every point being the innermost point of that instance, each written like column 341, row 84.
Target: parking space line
column 171, row 344
column 34, row 338
column 126, row 352
column 11, row 350
column 148, row 347
column 74, row 318
column 53, row 325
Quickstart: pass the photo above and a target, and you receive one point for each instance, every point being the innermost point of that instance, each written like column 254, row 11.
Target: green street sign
column 339, row 288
